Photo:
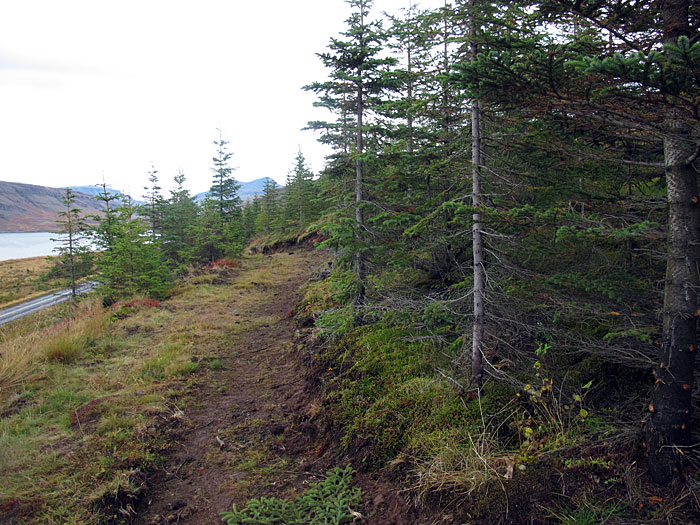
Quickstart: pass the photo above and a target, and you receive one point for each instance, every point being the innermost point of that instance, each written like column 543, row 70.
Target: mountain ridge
column 28, row 208
column 34, row 208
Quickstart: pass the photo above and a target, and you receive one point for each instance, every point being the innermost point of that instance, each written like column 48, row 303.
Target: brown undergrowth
column 19, row 281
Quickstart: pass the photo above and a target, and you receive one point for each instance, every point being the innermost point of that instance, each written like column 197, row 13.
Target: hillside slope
column 247, row 191
column 31, row 208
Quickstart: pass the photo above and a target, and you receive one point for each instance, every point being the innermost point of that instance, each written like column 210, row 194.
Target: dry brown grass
column 18, row 279
column 16, row 363
column 80, row 379
column 73, row 337
column 23, row 349
column 461, row 463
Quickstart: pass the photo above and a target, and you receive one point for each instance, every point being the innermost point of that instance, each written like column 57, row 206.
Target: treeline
column 517, row 181
column 142, row 248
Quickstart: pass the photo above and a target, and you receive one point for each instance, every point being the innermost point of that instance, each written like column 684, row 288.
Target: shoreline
column 16, row 259
column 37, row 231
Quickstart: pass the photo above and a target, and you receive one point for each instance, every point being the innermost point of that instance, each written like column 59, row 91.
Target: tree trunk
column 668, row 429
column 359, row 212
column 477, row 238
column 72, row 259
column 669, row 424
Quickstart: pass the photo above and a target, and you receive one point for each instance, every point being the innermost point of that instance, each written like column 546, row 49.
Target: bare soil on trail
column 246, row 428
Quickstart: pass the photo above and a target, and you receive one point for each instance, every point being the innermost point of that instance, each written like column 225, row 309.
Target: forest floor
column 245, row 431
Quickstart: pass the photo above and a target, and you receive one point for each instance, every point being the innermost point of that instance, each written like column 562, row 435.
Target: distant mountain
column 94, row 191
column 248, row 190
column 31, row 208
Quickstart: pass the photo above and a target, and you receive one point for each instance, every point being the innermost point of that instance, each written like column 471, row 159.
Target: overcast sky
column 96, row 86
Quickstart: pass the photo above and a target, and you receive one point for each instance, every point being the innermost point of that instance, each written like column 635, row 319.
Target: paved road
column 34, row 305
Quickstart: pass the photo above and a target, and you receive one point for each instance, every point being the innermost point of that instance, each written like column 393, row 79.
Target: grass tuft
column 16, row 365
column 64, row 348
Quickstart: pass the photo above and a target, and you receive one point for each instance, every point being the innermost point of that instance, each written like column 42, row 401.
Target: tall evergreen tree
column 479, row 270
column 652, row 57
column 179, row 217
column 74, row 256
column 625, row 74
column 219, row 230
column 153, row 209
column 224, row 188
column 135, row 263
column 358, row 80
column 298, row 208
column 249, row 217
column 268, row 217
column 104, row 232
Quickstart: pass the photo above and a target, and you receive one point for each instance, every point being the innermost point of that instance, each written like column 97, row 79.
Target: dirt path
column 246, row 429
column 238, row 425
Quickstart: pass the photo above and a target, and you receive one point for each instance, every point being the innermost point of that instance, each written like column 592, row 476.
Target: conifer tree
column 135, row 263
column 250, row 213
column 153, row 209
column 179, row 217
column 74, row 259
column 224, row 188
column 268, row 217
column 104, row 232
column 479, row 270
column 625, row 74
column 219, row 230
column 358, row 80
column 298, row 193
column 209, row 232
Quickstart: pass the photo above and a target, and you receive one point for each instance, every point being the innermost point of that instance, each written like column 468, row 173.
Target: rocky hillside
column 30, row 208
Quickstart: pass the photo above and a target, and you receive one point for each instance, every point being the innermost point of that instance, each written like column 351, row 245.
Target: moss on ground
column 395, row 387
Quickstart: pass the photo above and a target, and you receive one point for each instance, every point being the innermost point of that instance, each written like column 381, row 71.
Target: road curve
column 34, row 305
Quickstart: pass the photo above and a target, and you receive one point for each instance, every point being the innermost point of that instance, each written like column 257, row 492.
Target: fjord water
column 23, row 245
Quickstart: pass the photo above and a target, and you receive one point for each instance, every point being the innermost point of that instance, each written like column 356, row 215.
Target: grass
column 81, row 398
column 87, row 395
column 63, row 425
column 20, row 279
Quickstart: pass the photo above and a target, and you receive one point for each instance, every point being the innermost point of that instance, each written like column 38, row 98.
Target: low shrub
column 224, row 263
column 124, row 309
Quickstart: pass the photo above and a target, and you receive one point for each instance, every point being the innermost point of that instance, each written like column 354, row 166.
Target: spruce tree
column 104, row 232
column 135, row 264
column 219, row 230
column 249, row 217
column 358, row 81
column 153, row 209
column 180, row 213
column 224, row 188
column 74, row 259
column 298, row 207
column 268, row 217
column 622, row 75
